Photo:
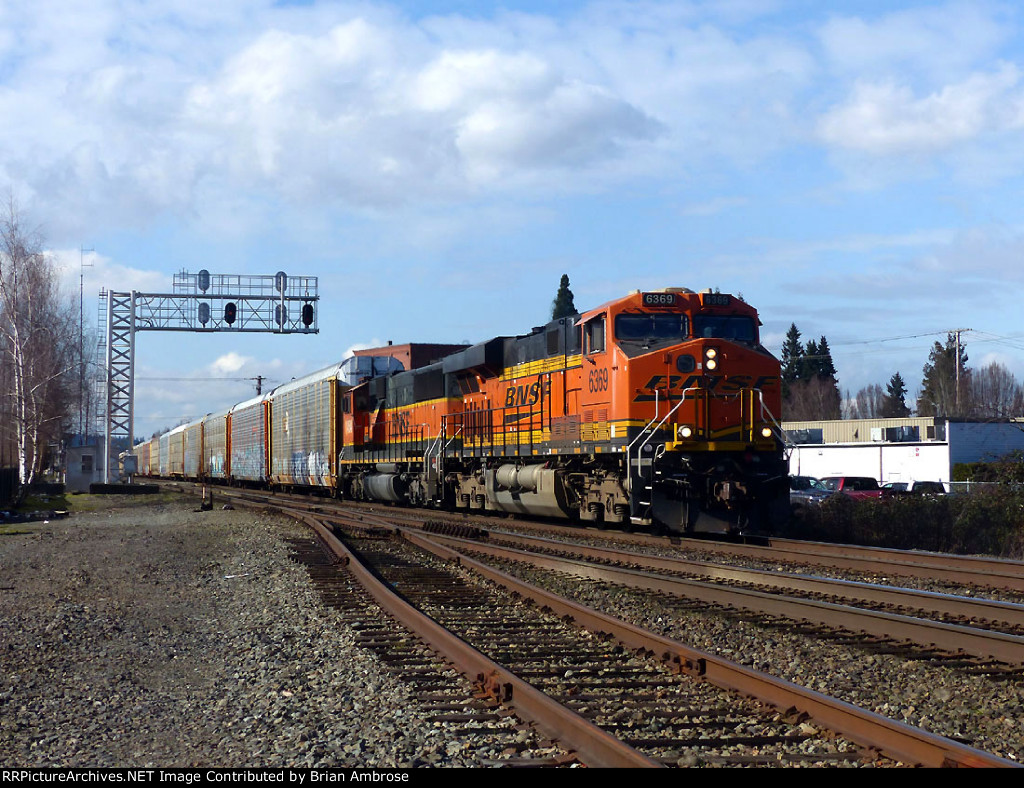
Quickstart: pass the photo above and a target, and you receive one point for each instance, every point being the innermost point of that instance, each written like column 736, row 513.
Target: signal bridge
column 204, row 303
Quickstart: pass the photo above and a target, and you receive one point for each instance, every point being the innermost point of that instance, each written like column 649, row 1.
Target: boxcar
column 175, row 440
column 303, row 438
column 247, row 441
column 192, row 465
column 142, row 452
column 215, row 446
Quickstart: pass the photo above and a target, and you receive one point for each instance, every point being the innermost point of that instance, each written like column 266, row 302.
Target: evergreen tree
column 825, row 365
column 563, row 305
column 792, row 356
column 809, row 386
column 894, row 405
column 809, row 363
column 939, row 393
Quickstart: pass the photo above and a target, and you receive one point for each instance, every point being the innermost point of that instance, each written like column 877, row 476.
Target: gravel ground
column 155, row 635
column 158, row 636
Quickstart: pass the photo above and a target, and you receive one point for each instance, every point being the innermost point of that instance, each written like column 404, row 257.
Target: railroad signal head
column 307, row 315
column 230, row 312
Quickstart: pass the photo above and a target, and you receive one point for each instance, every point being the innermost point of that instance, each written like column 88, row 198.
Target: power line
column 908, row 336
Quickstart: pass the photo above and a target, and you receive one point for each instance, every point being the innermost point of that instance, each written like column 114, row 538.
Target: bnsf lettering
column 597, row 380
column 518, row 396
column 710, row 382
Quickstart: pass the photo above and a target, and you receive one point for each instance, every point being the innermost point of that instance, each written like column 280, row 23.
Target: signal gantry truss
column 203, row 303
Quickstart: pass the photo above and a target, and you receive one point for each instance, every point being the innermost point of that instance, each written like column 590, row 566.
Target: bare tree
column 995, row 393
column 38, row 344
column 869, row 403
column 813, row 400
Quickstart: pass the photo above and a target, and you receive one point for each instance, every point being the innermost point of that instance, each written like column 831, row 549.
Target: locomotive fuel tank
column 389, row 487
column 530, row 489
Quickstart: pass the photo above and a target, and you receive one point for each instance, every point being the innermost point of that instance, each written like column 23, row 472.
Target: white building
column 911, row 449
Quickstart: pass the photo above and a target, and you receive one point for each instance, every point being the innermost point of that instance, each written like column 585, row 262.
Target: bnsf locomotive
column 655, row 410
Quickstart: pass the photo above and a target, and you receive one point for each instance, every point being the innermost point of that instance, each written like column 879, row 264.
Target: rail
column 897, row 739
column 595, row 747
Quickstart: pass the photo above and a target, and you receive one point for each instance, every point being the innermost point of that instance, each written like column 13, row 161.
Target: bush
column 987, row 522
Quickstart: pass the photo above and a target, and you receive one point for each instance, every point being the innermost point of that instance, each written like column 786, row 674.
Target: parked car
column 854, row 486
column 804, row 492
column 890, row 489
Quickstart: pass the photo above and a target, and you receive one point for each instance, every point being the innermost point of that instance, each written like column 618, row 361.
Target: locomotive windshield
column 650, row 328
column 735, row 327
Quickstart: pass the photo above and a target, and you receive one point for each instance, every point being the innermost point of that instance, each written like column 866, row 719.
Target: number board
column 716, row 299
column 659, row 299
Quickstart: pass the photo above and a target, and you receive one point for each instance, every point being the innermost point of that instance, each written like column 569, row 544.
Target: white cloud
column 888, row 119
column 165, row 109
column 228, row 364
column 342, row 113
column 93, row 271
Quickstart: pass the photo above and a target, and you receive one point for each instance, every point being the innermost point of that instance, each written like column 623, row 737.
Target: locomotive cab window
column 648, row 328
column 738, row 328
column 593, row 336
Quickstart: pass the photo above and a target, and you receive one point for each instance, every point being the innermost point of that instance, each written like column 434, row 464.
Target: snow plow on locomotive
column 655, row 411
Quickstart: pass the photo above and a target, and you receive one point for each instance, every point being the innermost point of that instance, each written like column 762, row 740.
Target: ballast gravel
column 159, row 636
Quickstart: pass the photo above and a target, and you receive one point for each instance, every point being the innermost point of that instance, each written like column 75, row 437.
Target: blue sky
column 854, row 168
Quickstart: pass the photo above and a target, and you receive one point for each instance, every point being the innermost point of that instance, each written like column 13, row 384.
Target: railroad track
column 442, row 693
column 666, row 716
column 975, row 633
column 976, row 571
column 981, row 629
column 909, row 748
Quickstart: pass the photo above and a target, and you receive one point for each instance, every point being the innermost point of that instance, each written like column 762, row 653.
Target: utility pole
column 83, row 429
column 956, row 332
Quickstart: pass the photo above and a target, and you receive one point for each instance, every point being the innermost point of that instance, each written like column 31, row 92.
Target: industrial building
column 921, row 448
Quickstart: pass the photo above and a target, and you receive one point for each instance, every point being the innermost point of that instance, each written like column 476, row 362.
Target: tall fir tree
column 809, row 363
column 894, row 404
column 826, row 366
column 792, row 357
column 809, row 387
column 940, row 393
column 563, row 305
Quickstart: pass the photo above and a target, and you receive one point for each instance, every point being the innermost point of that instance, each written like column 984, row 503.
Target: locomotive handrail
column 452, row 439
column 629, row 448
column 502, row 436
column 437, row 442
column 785, row 436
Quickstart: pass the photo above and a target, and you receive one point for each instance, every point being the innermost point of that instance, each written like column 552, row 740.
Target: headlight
column 686, row 363
column 686, row 431
column 766, row 432
column 710, row 364
column 711, row 358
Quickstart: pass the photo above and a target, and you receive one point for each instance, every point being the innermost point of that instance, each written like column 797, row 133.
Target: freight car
column 654, row 410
